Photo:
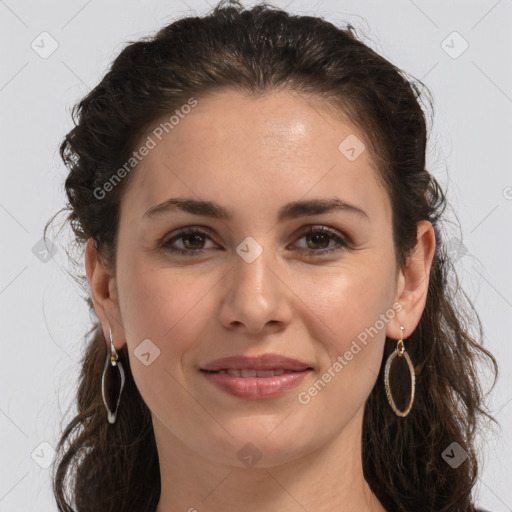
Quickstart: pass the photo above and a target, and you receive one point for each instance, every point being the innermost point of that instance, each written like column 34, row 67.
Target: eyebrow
column 289, row 211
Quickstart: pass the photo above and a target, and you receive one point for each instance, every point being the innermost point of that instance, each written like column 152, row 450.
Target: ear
column 104, row 295
column 413, row 280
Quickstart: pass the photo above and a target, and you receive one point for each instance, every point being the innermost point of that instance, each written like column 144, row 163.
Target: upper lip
column 259, row 362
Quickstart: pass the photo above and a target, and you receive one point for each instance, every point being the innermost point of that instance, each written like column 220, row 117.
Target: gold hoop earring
column 403, row 360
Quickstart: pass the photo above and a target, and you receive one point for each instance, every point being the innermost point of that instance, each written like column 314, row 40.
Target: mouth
column 256, row 377
column 245, row 364
column 250, row 372
column 251, row 384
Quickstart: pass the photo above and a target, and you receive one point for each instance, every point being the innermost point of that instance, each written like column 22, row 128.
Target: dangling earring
column 112, row 382
column 404, row 361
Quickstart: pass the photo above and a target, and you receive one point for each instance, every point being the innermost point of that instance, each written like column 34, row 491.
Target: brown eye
column 191, row 239
column 318, row 239
column 194, row 241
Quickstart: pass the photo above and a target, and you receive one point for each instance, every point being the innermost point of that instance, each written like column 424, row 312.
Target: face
column 301, row 282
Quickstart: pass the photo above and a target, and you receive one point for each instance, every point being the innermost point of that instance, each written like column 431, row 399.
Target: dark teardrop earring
column 112, row 382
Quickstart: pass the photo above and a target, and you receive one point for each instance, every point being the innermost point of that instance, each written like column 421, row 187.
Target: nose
column 257, row 295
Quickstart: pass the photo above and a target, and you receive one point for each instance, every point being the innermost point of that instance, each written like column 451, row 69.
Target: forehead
column 255, row 149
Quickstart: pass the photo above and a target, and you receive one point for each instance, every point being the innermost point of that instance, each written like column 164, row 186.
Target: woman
column 278, row 327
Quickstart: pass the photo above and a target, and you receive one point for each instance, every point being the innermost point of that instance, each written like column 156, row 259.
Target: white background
column 43, row 319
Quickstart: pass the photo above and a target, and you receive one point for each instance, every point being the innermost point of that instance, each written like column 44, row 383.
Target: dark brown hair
column 106, row 468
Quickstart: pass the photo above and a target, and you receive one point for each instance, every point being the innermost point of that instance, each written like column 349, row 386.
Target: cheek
column 163, row 307
column 174, row 309
column 157, row 304
column 347, row 324
column 351, row 307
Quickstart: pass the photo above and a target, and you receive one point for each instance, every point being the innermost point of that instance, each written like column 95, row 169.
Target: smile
column 252, row 373
column 252, row 384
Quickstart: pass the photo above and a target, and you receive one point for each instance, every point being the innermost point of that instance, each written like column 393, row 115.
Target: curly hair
column 105, row 468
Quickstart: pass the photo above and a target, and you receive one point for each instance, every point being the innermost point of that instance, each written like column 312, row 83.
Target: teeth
column 252, row 373
column 269, row 373
column 248, row 373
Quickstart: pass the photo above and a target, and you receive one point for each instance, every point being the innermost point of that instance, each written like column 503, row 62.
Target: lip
column 259, row 362
column 256, row 388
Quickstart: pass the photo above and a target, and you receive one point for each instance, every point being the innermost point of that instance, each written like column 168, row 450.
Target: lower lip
column 256, row 388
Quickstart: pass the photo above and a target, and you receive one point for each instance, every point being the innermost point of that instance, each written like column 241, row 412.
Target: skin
column 253, row 155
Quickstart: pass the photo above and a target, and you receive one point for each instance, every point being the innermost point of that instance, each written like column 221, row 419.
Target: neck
column 326, row 479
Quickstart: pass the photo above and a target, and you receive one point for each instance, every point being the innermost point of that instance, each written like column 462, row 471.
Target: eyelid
column 181, row 232
column 313, row 228
column 343, row 241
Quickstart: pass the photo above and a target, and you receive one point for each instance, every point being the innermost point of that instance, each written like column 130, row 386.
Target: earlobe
column 412, row 286
column 103, row 290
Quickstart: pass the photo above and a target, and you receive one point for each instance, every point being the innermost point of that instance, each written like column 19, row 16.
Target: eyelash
column 342, row 243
